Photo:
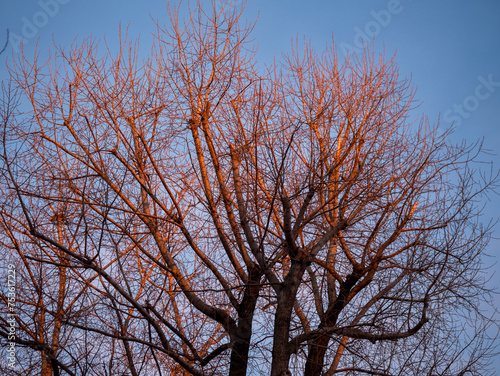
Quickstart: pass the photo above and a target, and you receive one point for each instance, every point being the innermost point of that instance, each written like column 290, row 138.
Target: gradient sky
column 449, row 49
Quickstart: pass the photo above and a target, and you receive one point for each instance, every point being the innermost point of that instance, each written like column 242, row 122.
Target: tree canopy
column 195, row 213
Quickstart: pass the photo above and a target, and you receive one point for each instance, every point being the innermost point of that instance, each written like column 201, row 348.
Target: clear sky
column 449, row 48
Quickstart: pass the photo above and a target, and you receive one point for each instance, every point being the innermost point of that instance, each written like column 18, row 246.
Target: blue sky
column 450, row 49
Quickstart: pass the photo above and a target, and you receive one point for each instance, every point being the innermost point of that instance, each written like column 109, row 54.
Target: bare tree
column 202, row 217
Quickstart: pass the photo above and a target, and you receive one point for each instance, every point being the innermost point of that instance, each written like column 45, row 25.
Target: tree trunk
column 241, row 347
column 286, row 299
column 317, row 351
